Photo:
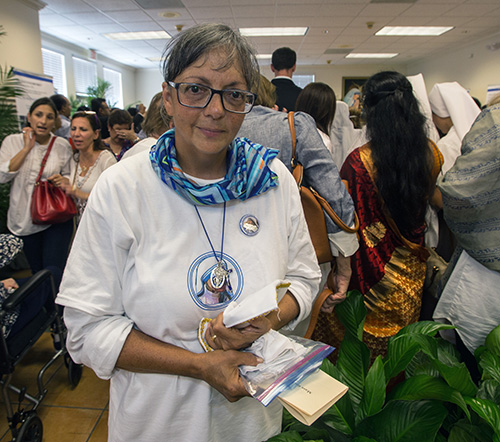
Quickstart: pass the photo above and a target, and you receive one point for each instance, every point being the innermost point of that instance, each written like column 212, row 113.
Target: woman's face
column 203, row 135
column 82, row 134
column 42, row 121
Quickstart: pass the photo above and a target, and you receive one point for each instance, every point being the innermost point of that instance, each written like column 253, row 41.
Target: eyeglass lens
column 195, row 95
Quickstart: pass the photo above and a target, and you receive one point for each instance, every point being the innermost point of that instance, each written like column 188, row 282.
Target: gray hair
column 188, row 46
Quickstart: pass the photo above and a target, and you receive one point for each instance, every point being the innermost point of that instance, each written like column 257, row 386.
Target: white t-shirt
column 139, row 259
column 23, row 180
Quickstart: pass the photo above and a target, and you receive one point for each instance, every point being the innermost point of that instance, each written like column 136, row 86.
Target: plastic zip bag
column 287, row 361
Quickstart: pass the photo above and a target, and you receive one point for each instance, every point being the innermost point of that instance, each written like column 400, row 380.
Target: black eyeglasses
column 198, row 96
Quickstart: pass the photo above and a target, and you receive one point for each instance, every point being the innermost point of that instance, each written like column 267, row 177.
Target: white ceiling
column 333, row 25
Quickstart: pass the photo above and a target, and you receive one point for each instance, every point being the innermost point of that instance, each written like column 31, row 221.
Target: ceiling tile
column 106, row 28
column 128, row 16
column 50, row 20
column 113, row 5
column 473, row 10
column 84, row 18
column 67, row 6
column 215, row 12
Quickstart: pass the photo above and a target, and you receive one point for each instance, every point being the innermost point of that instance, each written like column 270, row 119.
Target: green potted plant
column 436, row 401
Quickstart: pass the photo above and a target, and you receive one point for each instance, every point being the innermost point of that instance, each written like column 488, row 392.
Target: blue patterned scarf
column 248, row 173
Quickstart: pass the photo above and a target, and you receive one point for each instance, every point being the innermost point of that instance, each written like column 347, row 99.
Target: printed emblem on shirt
column 249, row 225
column 213, row 284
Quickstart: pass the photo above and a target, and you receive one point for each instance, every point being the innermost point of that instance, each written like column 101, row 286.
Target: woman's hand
column 339, row 284
column 219, row 337
column 10, row 284
column 29, row 138
column 62, row 182
column 220, row 370
column 127, row 134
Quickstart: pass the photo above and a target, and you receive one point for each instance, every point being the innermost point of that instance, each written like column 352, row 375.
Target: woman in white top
column 199, row 201
column 91, row 158
column 20, row 162
column 318, row 100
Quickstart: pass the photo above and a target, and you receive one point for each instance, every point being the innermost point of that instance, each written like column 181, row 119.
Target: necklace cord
column 208, row 237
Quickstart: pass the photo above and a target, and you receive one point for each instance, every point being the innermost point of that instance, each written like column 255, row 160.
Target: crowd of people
column 193, row 195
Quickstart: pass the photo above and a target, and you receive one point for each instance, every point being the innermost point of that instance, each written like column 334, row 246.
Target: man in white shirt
column 63, row 106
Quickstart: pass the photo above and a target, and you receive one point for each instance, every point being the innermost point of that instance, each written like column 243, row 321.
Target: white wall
column 148, row 83
column 332, row 74
column 473, row 66
column 69, row 50
column 21, row 47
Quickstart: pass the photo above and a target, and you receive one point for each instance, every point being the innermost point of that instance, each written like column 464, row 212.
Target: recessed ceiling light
column 155, row 58
column 428, row 31
column 146, row 35
column 371, row 55
column 273, row 32
column 264, row 56
column 169, row 14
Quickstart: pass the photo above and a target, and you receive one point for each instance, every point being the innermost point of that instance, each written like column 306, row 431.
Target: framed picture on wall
column 349, row 83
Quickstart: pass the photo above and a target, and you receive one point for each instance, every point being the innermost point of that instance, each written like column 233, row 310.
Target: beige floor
column 67, row 414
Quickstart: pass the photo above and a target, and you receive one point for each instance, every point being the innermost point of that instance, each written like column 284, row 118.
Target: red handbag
column 50, row 204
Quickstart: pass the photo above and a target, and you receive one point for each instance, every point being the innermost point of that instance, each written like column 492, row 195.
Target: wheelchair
column 24, row 423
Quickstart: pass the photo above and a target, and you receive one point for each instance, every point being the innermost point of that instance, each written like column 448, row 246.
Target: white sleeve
column 91, row 289
column 343, row 243
column 8, row 151
column 96, row 341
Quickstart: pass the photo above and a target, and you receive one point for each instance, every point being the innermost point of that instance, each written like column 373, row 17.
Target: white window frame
column 114, row 96
column 55, row 67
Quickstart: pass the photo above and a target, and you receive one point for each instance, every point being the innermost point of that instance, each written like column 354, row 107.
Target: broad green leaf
column 464, row 431
column 421, row 364
column 363, row 439
column 399, row 354
column 407, row 342
column 427, row 387
column 374, row 393
column 447, row 352
column 404, row 421
column 429, row 328
column 315, row 434
column 333, row 434
column 486, row 410
column 457, row 377
column 490, row 390
column 427, row 344
column 288, row 436
column 352, row 313
column 340, row 415
column 353, row 362
column 492, row 341
column 490, row 365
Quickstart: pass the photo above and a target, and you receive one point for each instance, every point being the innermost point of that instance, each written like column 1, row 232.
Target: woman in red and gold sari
column 391, row 179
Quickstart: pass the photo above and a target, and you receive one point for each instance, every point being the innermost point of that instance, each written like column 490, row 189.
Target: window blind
column 53, row 65
column 114, row 95
column 85, row 73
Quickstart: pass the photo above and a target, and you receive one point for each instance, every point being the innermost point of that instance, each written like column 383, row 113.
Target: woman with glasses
column 177, row 233
column 91, row 158
column 21, row 158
